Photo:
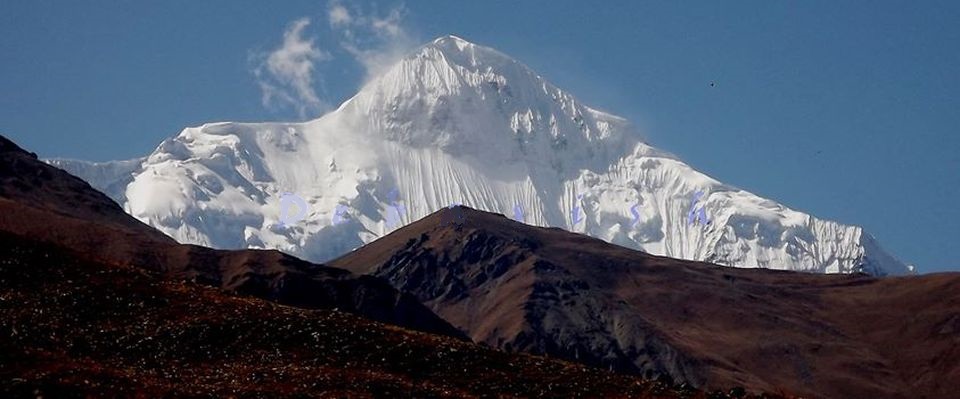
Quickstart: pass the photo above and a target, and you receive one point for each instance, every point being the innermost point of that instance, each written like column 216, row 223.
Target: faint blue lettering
column 338, row 214
column 454, row 213
column 286, row 201
column 697, row 213
column 636, row 215
column 396, row 210
column 575, row 212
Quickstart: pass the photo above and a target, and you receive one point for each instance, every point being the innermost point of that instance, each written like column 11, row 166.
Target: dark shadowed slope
column 42, row 202
column 539, row 290
column 77, row 328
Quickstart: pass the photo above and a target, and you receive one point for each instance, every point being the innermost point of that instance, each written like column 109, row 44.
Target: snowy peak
column 455, row 43
column 456, row 122
column 465, row 98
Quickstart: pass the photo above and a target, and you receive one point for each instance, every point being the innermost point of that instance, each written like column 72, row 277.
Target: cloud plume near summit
column 286, row 74
column 290, row 75
column 374, row 41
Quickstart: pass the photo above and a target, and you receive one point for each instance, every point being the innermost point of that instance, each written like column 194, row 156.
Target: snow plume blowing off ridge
column 455, row 122
column 287, row 75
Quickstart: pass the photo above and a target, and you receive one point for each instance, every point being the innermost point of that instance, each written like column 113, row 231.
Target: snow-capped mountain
column 455, row 122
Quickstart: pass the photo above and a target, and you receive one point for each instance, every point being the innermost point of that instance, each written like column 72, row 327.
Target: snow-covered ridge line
column 457, row 122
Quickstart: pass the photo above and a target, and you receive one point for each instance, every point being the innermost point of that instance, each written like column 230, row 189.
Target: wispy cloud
column 375, row 41
column 286, row 74
column 339, row 15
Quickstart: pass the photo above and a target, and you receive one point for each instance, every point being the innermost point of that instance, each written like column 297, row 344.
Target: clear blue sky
column 848, row 110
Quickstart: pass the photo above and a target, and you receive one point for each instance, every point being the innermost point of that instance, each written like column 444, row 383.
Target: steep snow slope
column 457, row 122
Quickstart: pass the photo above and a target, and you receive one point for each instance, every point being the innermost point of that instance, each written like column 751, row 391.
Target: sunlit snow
column 455, row 122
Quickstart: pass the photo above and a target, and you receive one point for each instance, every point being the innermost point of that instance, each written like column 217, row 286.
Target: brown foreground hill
column 95, row 304
column 71, row 327
column 549, row 291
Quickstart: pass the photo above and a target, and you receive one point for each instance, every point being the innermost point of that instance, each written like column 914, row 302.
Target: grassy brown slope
column 538, row 290
column 77, row 328
column 49, row 205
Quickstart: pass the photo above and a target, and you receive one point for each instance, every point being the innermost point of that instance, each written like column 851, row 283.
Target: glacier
column 456, row 122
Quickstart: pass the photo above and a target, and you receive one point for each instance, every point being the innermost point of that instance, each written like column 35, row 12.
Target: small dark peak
column 453, row 216
column 8, row 146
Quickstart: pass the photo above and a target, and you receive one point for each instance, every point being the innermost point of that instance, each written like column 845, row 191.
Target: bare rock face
column 548, row 291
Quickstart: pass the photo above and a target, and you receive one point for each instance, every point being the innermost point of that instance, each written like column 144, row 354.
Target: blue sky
column 847, row 110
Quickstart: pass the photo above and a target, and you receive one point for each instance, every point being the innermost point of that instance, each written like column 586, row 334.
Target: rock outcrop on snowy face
column 456, row 122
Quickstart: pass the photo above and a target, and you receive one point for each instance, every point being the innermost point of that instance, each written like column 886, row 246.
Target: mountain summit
column 470, row 100
column 455, row 122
